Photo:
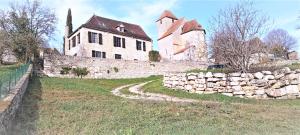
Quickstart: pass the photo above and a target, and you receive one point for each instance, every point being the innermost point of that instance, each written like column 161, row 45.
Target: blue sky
column 283, row 13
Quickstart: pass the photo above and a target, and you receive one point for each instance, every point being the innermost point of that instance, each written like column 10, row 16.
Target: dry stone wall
column 111, row 68
column 280, row 84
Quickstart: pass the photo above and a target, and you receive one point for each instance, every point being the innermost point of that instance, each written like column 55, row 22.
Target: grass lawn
column 7, row 68
column 76, row 106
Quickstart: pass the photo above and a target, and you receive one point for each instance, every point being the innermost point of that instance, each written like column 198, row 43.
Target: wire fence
column 9, row 79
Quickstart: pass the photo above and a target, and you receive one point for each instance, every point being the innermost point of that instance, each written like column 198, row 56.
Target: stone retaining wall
column 106, row 68
column 10, row 105
column 281, row 84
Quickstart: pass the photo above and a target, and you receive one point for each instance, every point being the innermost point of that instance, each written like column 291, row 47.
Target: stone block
column 208, row 75
column 234, row 83
column 200, row 75
column 259, row 92
column 237, row 74
column 212, row 79
column 236, row 88
column 219, row 75
column 258, row 75
column 267, row 72
column 234, row 79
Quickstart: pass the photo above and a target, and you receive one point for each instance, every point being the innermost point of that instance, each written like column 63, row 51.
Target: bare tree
column 280, row 42
column 29, row 26
column 232, row 31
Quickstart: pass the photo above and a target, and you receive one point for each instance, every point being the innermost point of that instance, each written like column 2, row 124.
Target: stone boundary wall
column 106, row 68
column 280, row 84
column 10, row 104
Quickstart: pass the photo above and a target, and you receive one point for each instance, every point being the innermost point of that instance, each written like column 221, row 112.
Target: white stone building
column 108, row 39
column 180, row 39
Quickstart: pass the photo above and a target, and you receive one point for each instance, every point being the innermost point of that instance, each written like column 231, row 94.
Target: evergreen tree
column 69, row 21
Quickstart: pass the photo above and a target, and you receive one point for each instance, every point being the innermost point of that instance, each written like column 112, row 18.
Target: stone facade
column 180, row 39
column 11, row 103
column 280, row 84
column 99, row 35
column 106, row 68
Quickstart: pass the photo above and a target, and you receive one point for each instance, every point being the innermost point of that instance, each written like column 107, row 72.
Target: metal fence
column 9, row 79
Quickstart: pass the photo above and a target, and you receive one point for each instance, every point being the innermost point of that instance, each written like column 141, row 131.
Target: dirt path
column 136, row 88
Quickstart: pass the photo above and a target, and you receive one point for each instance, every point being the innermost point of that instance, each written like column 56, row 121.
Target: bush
column 116, row 69
column 65, row 70
column 154, row 56
column 80, row 71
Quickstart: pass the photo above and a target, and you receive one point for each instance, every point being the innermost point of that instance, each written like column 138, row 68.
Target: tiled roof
column 168, row 14
column 190, row 26
column 109, row 25
column 173, row 28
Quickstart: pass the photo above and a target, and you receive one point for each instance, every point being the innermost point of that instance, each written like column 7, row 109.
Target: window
column 98, row 54
column 78, row 38
column 100, row 38
column 144, row 46
column 103, row 54
column 74, row 41
column 118, row 56
column 92, row 37
column 123, row 42
column 138, row 45
column 117, row 41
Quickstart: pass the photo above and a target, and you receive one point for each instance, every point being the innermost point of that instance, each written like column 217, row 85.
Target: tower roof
column 168, row 14
column 191, row 26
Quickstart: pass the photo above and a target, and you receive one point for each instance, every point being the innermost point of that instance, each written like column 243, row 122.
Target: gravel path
column 136, row 88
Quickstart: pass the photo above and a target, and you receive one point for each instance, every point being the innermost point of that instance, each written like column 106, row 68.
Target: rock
column 261, row 83
column 212, row 79
column 292, row 76
column 258, row 75
column 200, row 75
column 292, row 89
column 227, row 94
column 192, row 77
column 234, row 79
column 268, row 77
column 277, row 85
column 271, row 82
column 219, row 75
column 237, row 74
column 278, row 76
column 200, row 89
column 276, row 92
column 267, row 72
column 188, row 87
column 221, row 83
column 243, row 83
column 294, row 82
column 209, row 92
column 191, row 82
column 236, row 88
column 208, row 75
column 210, row 85
column 259, row 92
column 248, row 88
column 239, row 93
column 297, row 70
column 202, row 81
column 174, row 83
column 286, row 70
column 200, row 85
column 233, row 83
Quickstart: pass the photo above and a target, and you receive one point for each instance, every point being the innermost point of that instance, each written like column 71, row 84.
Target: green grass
column 77, row 106
column 7, row 68
column 126, row 91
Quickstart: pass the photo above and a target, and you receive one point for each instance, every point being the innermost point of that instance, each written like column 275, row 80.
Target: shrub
column 154, row 56
column 80, row 71
column 65, row 70
column 116, row 69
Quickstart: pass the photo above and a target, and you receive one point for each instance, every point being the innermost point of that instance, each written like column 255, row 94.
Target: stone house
column 108, row 39
column 180, row 39
column 293, row 55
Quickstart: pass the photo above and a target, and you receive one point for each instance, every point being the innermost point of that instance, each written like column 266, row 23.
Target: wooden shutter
column 123, row 42
column 100, row 39
column 144, row 46
column 90, row 37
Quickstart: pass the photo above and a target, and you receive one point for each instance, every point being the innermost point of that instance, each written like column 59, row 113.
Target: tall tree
column 29, row 26
column 69, row 21
column 232, row 30
column 280, row 42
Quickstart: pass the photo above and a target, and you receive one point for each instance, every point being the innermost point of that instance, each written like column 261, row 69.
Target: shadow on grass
column 28, row 112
